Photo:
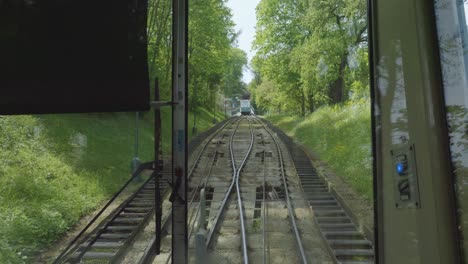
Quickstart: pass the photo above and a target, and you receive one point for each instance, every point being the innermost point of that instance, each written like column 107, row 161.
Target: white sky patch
column 466, row 11
column 243, row 12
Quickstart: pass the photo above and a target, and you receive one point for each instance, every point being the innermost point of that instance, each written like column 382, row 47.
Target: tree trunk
column 310, row 98
column 302, row 104
column 337, row 88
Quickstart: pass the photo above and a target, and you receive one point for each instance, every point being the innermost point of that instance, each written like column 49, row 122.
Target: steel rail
column 194, row 215
column 288, row 201
column 204, row 180
column 108, row 223
column 68, row 249
column 206, row 145
column 109, row 219
column 226, row 196
column 193, row 193
column 264, row 215
column 235, row 182
column 239, row 197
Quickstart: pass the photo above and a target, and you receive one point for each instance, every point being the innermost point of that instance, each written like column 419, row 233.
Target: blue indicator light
column 400, row 167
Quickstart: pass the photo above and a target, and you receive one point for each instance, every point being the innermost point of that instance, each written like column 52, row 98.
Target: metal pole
column 202, row 220
column 137, row 116
column 200, row 247
column 157, row 169
column 179, row 131
column 214, row 108
column 200, row 237
column 194, row 128
column 225, row 108
column 264, row 216
column 136, row 161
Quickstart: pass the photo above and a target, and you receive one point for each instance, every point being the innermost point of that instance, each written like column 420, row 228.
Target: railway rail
column 108, row 242
column 236, row 170
column 244, row 166
column 346, row 243
column 287, row 198
column 240, row 148
column 201, row 175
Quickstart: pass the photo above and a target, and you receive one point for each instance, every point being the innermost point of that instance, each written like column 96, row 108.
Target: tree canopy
column 309, row 53
column 215, row 63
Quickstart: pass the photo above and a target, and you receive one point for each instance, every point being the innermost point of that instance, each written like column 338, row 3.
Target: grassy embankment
column 56, row 168
column 340, row 136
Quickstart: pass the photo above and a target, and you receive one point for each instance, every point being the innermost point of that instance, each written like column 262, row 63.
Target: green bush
column 341, row 136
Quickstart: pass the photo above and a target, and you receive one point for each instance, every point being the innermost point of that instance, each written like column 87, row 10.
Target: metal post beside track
column 179, row 131
column 157, row 169
column 200, row 237
column 201, row 223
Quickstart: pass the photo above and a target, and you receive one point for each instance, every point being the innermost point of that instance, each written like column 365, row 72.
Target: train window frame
column 408, row 40
column 452, row 35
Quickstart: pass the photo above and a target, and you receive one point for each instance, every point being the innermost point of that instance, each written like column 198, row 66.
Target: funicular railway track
column 232, row 203
column 230, row 218
column 289, row 205
column 345, row 242
column 199, row 173
column 218, row 177
column 108, row 243
column 110, row 240
column 238, row 157
column 244, row 167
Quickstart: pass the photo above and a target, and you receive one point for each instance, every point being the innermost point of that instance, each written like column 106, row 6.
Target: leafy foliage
column 215, row 64
column 310, row 53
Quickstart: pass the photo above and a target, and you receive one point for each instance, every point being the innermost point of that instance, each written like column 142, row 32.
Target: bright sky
column 244, row 16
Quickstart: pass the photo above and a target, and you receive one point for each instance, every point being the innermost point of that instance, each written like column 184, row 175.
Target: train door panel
column 415, row 209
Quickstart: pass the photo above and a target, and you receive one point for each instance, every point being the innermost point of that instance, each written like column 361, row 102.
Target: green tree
column 279, row 31
column 310, row 52
column 211, row 33
column 160, row 43
column 232, row 80
column 338, row 32
column 215, row 65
